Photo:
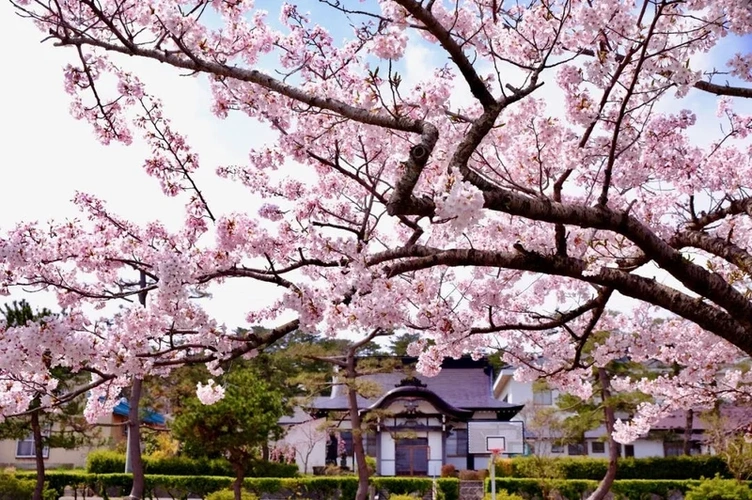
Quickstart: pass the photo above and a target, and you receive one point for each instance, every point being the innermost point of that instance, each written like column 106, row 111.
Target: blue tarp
column 147, row 417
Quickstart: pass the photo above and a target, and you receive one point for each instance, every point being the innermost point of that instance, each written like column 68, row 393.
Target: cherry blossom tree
column 549, row 165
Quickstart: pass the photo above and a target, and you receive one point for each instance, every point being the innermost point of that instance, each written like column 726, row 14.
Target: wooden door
column 411, row 457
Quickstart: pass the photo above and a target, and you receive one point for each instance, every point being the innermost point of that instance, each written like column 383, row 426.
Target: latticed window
column 456, row 443
column 25, row 448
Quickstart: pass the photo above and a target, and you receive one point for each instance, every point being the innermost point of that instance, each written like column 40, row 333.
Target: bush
column 503, row 495
column 472, row 475
column 535, row 466
column 105, row 461
column 261, row 468
column 575, row 489
column 448, row 470
column 719, row 489
column 629, row 468
column 14, row 488
column 371, row 465
column 112, row 462
column 402, row 497
column 504, row 467
column 230, row 495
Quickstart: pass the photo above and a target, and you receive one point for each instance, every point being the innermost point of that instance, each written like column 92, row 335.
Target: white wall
column 386, row 462
column 307, row 437
column 648, row 448
column 435, row 454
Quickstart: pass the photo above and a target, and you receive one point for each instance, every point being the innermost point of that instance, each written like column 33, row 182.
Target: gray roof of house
column 467, row 388
column 299, row 415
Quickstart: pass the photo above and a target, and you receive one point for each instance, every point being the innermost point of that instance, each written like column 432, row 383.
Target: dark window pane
column 628, row 450
column 348, row 439
column 370, row 444
column 598, row 447
column 673, row 449
column 577, row 449
column 456, row 443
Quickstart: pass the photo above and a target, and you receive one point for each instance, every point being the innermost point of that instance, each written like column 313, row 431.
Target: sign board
column 478, row 433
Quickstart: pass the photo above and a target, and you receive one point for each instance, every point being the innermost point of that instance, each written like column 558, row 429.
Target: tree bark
column 134, row 442
column 357, row 431
column 237, row 486
column 613, row 448
column 36, row 430
column 688, row 424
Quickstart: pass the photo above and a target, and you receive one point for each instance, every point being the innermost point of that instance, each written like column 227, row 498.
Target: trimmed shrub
column 260, row 468
column 503, row 495
column 111, row 462
column 371, row 465
column 448, row 470
column 574, row 489
column 504, row 467
column 682, row 467
column 450, row 487
column 15, row 488
column 105, row 461
column 719, row 489
column 230, row 495
column 472, row 475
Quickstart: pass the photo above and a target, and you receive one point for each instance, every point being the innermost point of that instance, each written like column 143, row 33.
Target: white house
column 664, row 439
column 417, row 424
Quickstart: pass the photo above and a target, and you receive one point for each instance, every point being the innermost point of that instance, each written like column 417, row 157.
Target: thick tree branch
column 648, row 290
column 424, row 15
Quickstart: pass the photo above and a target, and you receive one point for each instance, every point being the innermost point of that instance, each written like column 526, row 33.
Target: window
column 25, row 448
column 543, row 397
column 577, row 449
column 369, row 443
column 557, row 448
column 598, row 447
column 456, row 443
column 629, row 450
column 673, row 449
column 348, row 439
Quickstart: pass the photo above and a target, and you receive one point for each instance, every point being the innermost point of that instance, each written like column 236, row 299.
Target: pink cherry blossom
column 508, row 190
column 209, row 394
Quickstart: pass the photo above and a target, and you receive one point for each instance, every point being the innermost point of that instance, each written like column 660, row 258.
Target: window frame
column 459, row 451
column 600, row 444
column 30, row 439
column 580, row 449
column 544, row 397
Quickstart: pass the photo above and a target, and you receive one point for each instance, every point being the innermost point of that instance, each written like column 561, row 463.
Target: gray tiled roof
column 468, row 388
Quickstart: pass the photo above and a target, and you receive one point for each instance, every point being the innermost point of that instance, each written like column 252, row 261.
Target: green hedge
column 15, row 488
column 572, row 489
column 323, row 487
column 629, row 468
column 111, row 462
column 405, row 485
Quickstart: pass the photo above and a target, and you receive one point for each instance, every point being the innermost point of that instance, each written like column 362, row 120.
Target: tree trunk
column 688, row 424
column 134, row 442
column 357, row 432
column 36, row 430
column 613, row 448
column 237, row 486
column 134, row 421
